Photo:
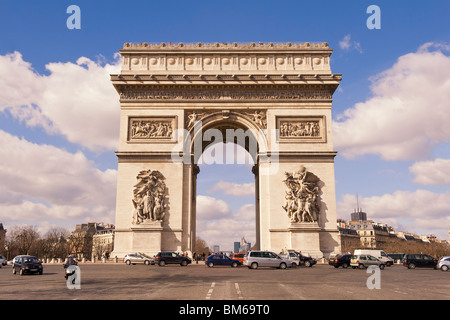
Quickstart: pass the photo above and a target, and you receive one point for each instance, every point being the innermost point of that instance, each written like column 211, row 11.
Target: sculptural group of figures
column 302, row 200
column 149, row 197
column 149, row 129
column 300, row 129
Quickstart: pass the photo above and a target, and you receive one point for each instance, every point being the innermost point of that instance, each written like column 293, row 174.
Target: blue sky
column 390, row 112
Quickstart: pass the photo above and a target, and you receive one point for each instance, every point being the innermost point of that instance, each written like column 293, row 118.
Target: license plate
column 33, row 269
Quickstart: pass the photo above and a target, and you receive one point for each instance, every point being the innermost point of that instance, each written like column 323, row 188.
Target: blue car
column 221, row 260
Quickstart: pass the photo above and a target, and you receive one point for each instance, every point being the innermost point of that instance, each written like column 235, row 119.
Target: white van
column 379, row 254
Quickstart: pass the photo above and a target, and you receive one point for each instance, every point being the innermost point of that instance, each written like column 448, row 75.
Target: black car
column 221, row 260
column 27, row 264
column 419, row 260
column 163, row 258
column 306, row 261
column 341, row 260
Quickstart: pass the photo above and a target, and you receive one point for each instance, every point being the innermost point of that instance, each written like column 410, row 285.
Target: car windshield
column 30, row 259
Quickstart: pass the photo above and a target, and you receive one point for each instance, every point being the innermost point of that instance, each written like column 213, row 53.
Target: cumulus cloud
column 407, row 114
column 419, row 211
column 40, row 182
column 217, row 224
column 234, row 189
column 431, row 172
column 76, row 100
column 212, row 208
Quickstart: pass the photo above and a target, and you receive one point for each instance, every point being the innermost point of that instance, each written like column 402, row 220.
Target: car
column 135, row 258
column 379, row 254
column 411, row 261
column 27, row 264
column 221, row 260
column 255, row 258
column 3, row 261
column 306, row 260
column 239, row 256
column 163, row 258
column 443, row 263
column 341, row 260
column 293, row 257
column 363, row 261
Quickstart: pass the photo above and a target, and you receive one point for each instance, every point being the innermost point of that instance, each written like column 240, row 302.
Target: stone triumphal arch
column 272, row 99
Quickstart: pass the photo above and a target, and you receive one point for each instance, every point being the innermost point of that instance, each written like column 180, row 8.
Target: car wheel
column 128, row 262
column 41, row 271
column 345, row 265
column 283, row 265
column 411, row 266
column 382, row 266
column 234, row 265
column 184, row 263
column 337, row 266
column 254, row 265
column 444, row 268
column 210, row 264
column 147, row 262
column 307, row 263
column 162, row 263
column 361, row 266
column 14, row 270
column 21, row 272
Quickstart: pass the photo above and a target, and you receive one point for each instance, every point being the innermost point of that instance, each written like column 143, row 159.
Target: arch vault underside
column 272, row 99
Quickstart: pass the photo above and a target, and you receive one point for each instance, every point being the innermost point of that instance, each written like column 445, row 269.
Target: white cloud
column 211, row 208
column 217, row 224
column 431, row 172
column 234, row 189
column 76, row 100
column 420, row 211
column 408, row 113
column 346, row 44
column 41, row 182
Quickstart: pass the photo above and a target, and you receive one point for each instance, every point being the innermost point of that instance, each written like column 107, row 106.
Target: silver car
column 443, row 263
column 254, row 259
column 138, row 258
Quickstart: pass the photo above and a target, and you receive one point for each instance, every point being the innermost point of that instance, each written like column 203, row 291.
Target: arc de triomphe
column 273, row 99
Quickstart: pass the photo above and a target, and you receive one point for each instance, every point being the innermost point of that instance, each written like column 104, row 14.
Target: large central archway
column 272, row 99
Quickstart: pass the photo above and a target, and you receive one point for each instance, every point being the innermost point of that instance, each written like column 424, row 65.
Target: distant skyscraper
column 358, row 215
column 236, row 247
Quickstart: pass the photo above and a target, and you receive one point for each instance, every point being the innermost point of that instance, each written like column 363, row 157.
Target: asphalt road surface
column 200, row 283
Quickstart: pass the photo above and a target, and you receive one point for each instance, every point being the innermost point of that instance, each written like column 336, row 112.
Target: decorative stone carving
column 299, row 129
column 229, row 93
column 149, row 197
column 192, row 118
column 302, row 199
column 151, row 128
column 259, row 118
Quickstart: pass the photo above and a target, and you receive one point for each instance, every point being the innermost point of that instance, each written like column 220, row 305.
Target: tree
column 22, row 239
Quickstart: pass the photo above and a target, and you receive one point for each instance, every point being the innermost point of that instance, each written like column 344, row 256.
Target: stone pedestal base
column 305, row 237
column 145, row 238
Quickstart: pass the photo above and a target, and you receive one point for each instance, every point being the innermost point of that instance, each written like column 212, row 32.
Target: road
column 198, row 282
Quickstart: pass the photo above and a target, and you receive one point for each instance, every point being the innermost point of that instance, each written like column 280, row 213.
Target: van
column 379, row 254
column 254, row 259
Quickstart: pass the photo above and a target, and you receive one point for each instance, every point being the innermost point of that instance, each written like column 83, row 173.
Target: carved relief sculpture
column 302, row 199
column 147, row 128
column 259, row 118
column 149, row 197
column 299, row 129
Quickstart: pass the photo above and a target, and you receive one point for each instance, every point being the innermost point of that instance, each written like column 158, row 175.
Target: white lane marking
column 210, row 291
column 238, row 290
